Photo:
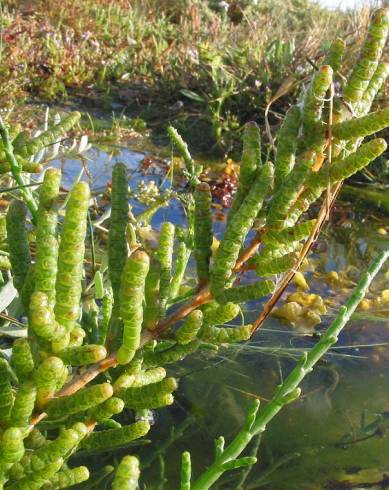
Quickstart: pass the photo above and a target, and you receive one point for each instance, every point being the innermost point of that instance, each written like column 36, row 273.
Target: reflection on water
column 98, row 165
column 334, row 436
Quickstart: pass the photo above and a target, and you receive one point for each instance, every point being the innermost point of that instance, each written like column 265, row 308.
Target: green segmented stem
column 182, row 148
column 23, row 405
column 165, row 256
column 106, row 313
column 343, row 169
column 42, row 320
column 186, row 471
column 225, row 335
column 11, row 447
column 314, row 98
column 376, row 83
column 20, row 140
column 6, row 396
column 19, row 248
column 83, row 355
column 67, row 478
column 137, row 380
column 108, row 439
column 183, row 254
column 308, row 197
column 30, row 167
column 274, row 265
column 5, row 263
column 237, row 228
column 71, row 256
column 371, row 53
column 203, row 231
column 127, row 474
column 152, row 309
column 289, row 234
column 341, row 112
column 49, row 189
column 169, row 356
column 28, row 288
column 287, row 193
column 49, row 377
column 158, row 401
column 22, row 359
column 26, row 166
column 3, row 233
column 34, row 145
column 35, row 439
column 46, row 235
column 81, row 400
column 362, row 126
column 283, row 249
column 287, row 145
column 250, row 292
column 190, row 328
column 36, row 480
column 148, row 396
column 99, row 477
column 61, row 447
column 77, row 336
column 132, row 293
column 117, row 241
column 334, row 57
column 249, row 165
column 251, row 155
column 221, row 314
column 107, row 409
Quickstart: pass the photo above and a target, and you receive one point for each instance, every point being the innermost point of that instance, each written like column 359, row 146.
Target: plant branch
column 289, row 390
column 202, row 297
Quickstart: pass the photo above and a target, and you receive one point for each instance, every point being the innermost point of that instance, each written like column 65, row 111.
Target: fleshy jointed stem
column 203, row 231
column 117, row 243
column 46, row 235
column 132, row 293
column 19, row 249
column 71, row 256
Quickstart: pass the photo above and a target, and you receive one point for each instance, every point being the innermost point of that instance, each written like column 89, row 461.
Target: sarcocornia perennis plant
column 97, row 353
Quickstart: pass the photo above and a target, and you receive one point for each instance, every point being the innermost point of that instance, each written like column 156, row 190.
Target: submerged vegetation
column 106, row 299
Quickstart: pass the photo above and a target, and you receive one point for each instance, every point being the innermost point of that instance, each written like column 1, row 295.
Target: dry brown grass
column 154, row 51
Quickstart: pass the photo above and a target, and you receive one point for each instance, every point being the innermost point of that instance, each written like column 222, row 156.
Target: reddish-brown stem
column 37, row 418
column 322, row 217
column 90, row 424
column 87, row 376
column 269, row 305
column 248, row 252
column 202, row 297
